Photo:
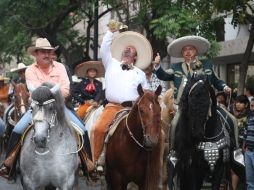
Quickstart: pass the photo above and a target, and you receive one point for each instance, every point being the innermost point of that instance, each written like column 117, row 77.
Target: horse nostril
column 40, row 142
column 151, row 140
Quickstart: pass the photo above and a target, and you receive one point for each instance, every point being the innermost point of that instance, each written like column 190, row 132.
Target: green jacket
column 178, row 74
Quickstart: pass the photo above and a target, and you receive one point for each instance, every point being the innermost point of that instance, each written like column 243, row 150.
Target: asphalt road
column 82, row 184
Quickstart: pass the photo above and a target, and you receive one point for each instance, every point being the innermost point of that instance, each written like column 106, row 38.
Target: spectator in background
column 152, row 79
column 249, row 92
column 249, row 148
column 240, row 109
column 221, row 98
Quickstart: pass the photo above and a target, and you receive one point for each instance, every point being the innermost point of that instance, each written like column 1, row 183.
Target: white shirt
column 120, row 85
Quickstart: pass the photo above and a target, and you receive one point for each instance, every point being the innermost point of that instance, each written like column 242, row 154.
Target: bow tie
column 126, row 67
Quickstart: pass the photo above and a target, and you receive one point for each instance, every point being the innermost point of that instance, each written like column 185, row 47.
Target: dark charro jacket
column 178, row 74
column 82, row 95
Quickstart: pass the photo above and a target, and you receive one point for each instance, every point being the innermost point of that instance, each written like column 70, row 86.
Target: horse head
column 47, row 110
column 21, row 102
column 198, row 104
column 149, row 112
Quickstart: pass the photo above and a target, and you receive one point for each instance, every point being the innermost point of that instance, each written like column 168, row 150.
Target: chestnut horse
column 133, row 151
column 19, row 108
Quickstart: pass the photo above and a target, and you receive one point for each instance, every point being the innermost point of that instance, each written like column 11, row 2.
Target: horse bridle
column 51, row 122
column 142, row 125
column 18, row 107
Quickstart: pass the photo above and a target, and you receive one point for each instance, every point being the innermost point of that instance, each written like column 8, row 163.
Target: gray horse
column 49, row 153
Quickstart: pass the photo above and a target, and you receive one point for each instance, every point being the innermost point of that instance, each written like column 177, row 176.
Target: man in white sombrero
column 123, row 57
column 189, row 48
column 44, row 69
column 89, row 91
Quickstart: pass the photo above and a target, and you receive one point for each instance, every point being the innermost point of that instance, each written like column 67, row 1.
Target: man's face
column 129, row 55
column 22, row 74
column 189, row 53
column 43, row 57
column 53, row 55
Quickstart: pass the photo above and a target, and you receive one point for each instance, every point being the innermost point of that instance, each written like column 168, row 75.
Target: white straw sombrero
column 137, row 40
column 201, row 44
column 21, row 66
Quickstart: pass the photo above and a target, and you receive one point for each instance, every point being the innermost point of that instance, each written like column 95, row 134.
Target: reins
column 142, row 124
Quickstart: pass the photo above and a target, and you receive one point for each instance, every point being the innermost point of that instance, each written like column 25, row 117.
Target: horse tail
column 153, row 166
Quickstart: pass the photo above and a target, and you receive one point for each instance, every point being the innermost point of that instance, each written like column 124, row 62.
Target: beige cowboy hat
column 21, row 66
column 41, row 43
column 137, row 40
column 5, row 79
column 82, row 68
column 201, row 44
column 75, row 79
column 1, row 78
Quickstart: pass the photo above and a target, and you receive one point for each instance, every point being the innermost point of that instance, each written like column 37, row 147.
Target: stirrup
column 5, row 171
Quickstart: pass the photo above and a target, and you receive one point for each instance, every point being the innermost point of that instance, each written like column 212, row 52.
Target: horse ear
column 158, row 90
column 140, row 90
column 55, row 88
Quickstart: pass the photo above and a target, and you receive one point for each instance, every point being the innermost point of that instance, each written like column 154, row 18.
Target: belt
column 127, row 104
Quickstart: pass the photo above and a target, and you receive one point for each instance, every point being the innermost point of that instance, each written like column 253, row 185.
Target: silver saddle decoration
column 211, row 151
column 172, row 157
column 238, row 156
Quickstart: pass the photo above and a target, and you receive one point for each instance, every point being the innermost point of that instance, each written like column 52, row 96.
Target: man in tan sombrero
column 123, row 59
column 89, row 89
column 44, row 69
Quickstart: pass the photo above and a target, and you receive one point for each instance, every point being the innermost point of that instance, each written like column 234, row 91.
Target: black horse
column 204, row 138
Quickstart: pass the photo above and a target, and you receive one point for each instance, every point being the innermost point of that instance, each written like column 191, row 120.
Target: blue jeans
column 249, row 169
column 27, row 119
column 2, row 129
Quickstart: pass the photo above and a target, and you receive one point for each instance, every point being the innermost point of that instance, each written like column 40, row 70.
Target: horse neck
column 213, row 127
column 134, row 122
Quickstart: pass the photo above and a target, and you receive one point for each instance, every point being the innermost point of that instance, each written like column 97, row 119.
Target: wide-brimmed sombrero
column 21, row 66
column 41, row 43
column 201, row 44
column 81, row 69
column 137, row 40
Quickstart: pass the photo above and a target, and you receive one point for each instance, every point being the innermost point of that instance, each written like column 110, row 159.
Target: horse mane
column 194, row 105
column 43, row 93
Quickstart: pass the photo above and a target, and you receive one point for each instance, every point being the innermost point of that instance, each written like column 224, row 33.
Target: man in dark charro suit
column 188, row 47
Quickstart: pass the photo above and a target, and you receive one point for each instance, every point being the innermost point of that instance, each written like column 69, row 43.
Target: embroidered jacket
column 83, row 94
column 179, row 74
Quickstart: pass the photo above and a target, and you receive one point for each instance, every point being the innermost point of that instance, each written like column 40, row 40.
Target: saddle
column 120, row 115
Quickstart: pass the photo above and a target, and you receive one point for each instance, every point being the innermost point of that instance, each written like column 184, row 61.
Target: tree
column 242, row 13
column 55, row 19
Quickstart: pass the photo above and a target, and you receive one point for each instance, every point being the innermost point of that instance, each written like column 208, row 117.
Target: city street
column 5, row 185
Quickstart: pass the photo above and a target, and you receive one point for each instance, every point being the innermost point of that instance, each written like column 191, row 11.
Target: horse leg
column 115, row 181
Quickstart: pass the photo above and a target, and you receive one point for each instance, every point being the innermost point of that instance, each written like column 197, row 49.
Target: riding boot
column 13, row 149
